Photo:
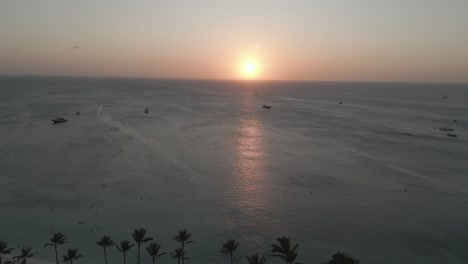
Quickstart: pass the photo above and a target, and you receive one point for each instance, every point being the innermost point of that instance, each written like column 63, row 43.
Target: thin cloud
column 72, row 47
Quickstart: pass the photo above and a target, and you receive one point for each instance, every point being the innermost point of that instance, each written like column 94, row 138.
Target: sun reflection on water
column 251, row 187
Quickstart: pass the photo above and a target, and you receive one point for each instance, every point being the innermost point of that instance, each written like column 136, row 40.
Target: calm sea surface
column 371, row 177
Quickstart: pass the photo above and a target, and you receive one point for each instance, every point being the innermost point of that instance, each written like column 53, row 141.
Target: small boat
column 78, row 113
column 444, row 97
column 59, row 120
column 146, row 110
column 266, row 106
column 446, row 128
column 340, row 103
column 452, row 135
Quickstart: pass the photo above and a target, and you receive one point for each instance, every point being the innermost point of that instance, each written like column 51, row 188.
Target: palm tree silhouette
column 72, row 254
column 4, row 250
column 229, row 247
column 284, row 250
column 105, row 242
column 255, row 259
column 139, row 237
column 124, row 247
column 153, row 251
column 179, row 254
column 183, row 237
column 25, row 254
column 56, row 239
column 342, row 258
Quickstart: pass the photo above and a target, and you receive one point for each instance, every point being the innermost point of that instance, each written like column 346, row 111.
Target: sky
column 346, row 40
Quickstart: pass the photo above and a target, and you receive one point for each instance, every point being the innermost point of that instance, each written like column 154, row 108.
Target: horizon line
column 231, row 80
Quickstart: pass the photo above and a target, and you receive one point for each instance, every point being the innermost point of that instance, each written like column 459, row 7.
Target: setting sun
column 249, row 69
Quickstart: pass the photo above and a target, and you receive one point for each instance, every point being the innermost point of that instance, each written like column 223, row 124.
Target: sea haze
column 373, row 176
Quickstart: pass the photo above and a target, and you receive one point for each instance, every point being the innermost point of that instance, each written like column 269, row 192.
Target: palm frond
column 25, row 253
column 58, row 238
column 284, row 249
column 153, row 249
column 256, row 259
column 183, row 236
column 4, row 248
column 105, row 242
column 229, row 247
column 178, row 253
column 124, row 246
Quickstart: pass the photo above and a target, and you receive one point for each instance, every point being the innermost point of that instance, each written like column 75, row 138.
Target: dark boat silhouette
column 146, row 110
column 59, row 120
column 445, row 128
column 452, row 135
column 266, row 106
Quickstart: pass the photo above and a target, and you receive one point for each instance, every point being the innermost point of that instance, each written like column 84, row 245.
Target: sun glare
column 249, row 69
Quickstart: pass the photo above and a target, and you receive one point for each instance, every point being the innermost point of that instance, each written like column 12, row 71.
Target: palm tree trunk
column 105, row 255
column 138, row 253
column 231, row 257
column 125, row 262
column 1, row 259
column 183, row 261
column 153, row 259
column 56, row 255
column 71, row 261
column 178, row 260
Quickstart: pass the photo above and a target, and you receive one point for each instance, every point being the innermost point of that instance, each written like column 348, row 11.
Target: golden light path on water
column 252, row 192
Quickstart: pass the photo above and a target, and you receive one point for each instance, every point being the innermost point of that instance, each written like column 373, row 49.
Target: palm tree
column 342, row 258
column 183, row 237
column 72, row 254
column 25, row 254
column 139, row 237
column 229, row 247
column 284, row 250
column 56, row 239
column 124, row 247
column 153, row 251
column 255, row 259
column 179, row 254
column 4, row 250
column 105, row 242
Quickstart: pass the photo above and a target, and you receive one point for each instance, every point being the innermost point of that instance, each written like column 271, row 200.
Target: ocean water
column 371, row 177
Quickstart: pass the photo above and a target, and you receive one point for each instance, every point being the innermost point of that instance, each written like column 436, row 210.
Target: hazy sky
column 389, row 40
